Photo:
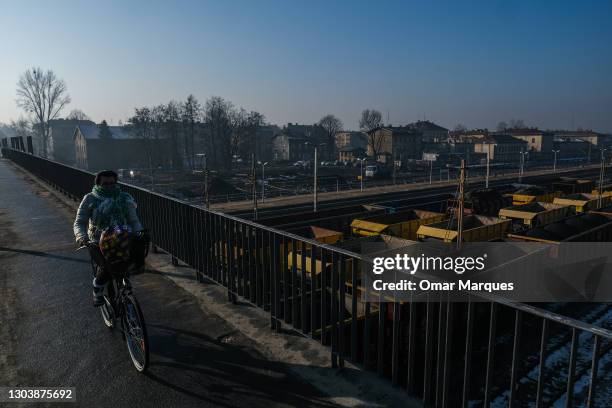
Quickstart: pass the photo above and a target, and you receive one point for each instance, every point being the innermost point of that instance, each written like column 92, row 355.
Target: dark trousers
column 102, row 272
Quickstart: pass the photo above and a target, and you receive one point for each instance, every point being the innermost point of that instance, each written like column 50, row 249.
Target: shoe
column 98, row 294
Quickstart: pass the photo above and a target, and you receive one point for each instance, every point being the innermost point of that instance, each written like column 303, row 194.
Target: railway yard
column 431, row 338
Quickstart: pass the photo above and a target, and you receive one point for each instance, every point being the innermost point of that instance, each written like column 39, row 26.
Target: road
column 51, row 336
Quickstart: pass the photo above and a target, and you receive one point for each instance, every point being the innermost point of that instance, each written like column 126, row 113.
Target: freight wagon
column 476, row 228
column 402, row 224
column 534, row 214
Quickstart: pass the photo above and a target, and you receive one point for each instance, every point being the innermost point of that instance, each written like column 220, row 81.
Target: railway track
column 388, row 198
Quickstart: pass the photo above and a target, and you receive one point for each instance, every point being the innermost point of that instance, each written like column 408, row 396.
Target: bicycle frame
column 118, row 285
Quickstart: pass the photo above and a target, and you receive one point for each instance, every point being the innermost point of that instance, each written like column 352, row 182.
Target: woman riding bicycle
column 106, row 213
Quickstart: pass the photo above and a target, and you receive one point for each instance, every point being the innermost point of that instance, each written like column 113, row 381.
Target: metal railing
column 447, row 354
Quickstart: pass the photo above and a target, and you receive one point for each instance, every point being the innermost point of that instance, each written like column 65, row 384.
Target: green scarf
column 106, row 192
column 111, row 207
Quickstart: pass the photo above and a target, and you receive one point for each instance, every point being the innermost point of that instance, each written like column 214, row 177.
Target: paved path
column 50, row 335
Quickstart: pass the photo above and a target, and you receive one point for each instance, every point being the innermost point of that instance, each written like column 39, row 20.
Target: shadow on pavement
column 223, row 372
column 43, row 254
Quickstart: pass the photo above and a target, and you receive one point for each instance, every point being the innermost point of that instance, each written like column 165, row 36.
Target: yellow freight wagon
column 583, row 202
column 536, row 214
column 583, row 227
column 476, row 228
column 568, row 185
column 319, row 234
column 530, row 195
column 402, row 224
column 604, row 194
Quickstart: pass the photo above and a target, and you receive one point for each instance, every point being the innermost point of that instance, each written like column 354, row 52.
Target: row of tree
column 217, row 128
column 501, row 126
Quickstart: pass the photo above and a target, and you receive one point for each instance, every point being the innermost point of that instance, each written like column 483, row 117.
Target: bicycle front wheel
column 107, row 310
column 135, row 333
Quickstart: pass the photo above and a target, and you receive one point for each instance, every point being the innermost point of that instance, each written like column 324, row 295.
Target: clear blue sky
column 476, row 63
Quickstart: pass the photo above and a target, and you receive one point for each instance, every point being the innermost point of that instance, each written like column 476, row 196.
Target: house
column 430, row 131
column 595, row 139
column 296, row 142
column 264, row 138
column 539, row 143
column 351, row 139
column 121, row 150
column 501, row 148
column 400, row 142
column 569, row 148
column 351, row 153
column 285, row 147
column 61, row 143
column 467, row 136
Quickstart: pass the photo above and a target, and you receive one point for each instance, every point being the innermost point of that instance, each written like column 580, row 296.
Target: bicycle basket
column 115, row 245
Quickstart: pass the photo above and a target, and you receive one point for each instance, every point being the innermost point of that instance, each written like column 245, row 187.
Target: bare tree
column 105, row 133
column 332, row 125
column 255, row 121
column 502, row 126
column 371, row 120
column 172, row 128
column 190, row 113
column 245, row 126
column 21, row 127
column 141, row 125
column 239, row 124
column 157, row 117
column 77, row 114
column 43, row 95
column 217, row 116
column 460, row 127
column 517, row 124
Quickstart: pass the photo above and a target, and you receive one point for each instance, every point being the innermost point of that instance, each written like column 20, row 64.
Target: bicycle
column 121, row 305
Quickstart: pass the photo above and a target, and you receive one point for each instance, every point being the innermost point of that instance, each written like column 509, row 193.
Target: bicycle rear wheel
column 135, row 333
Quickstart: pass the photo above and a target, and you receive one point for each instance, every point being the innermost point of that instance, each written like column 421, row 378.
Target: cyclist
column 105, row 210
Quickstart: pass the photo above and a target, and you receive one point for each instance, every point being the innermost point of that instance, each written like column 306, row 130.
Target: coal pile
column 532, row 191
column 565, row 229
column 533, row 207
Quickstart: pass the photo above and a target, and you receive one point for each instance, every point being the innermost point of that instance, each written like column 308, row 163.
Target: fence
column 447, row 354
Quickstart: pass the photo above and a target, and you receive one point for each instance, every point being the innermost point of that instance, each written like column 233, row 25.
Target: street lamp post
column 314, row 204
column 601, row 176
column 254, row 181
column 488, row 164
column 361, row 173
column 316, row 146
column 523, row 154
column 263, row 181
column 555, row 161
column 205, row 170
column 394, row 166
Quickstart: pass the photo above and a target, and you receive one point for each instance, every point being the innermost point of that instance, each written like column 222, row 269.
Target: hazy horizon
column 547, row 63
